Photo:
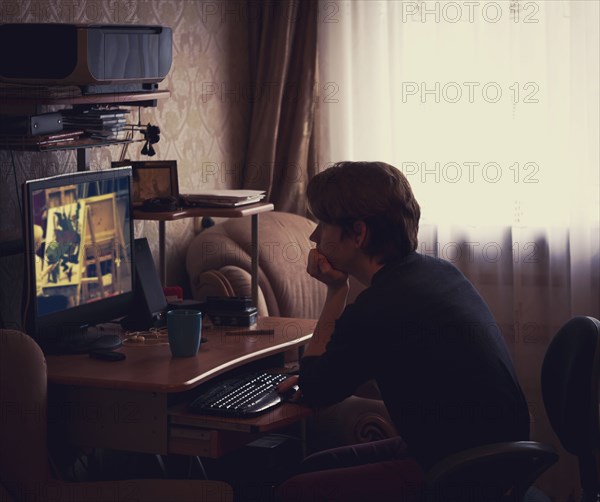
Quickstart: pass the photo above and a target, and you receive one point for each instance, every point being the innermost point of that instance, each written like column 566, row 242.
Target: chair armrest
column 354, row 420
column 368, row 390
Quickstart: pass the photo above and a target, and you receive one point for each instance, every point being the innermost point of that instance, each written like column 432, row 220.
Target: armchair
column 570, row 387
column 500, row 472
column 24, row 459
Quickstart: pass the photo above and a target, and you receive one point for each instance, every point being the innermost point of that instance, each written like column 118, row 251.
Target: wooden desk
column 139, row 404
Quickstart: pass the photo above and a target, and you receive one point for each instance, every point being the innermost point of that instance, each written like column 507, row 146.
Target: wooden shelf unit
column 12, row 104
column 252, row 210
column 29, row 101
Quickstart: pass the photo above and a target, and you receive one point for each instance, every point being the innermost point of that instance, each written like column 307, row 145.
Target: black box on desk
column 231, row 310
column 186, row 305
column 233, row 318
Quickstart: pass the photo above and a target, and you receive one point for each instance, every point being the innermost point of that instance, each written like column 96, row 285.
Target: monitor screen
column 78, row 239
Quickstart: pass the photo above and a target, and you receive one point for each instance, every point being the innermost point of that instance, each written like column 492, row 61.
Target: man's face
column 337, row 248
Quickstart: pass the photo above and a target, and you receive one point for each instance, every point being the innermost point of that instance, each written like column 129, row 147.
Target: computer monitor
column 78, row 236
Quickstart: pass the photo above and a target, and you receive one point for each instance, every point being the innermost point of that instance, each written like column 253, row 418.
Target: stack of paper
column 222, row 198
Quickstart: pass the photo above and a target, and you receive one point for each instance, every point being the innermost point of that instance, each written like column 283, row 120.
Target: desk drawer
column 110, row 418
column 206, row 442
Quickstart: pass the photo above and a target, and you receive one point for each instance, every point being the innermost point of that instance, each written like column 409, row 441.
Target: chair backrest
column 23, row 402
column 490, row 473
column 570, row 374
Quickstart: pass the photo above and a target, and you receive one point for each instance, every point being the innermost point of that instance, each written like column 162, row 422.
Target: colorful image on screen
column 81, row 242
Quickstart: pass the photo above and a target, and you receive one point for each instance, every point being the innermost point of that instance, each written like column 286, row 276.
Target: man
column 420, row 329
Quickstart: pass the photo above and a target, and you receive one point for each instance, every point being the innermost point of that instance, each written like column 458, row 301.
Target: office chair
column 500, row 472
column 570, row 374
column 24, row 471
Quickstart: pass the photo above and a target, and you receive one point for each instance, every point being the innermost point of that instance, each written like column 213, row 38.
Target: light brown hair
column 374, row 192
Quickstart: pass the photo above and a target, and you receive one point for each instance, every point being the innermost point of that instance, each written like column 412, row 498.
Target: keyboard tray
column 243, row 396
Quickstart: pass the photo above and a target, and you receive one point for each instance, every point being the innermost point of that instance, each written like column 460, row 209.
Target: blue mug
column 184, row 327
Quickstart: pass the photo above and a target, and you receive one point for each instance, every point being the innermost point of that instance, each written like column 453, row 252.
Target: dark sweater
column 424, row 333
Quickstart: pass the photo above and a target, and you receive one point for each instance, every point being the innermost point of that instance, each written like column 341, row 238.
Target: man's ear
column 360, row 233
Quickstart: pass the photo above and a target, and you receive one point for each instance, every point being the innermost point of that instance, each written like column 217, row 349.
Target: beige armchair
column 218, row 263
column 24, row 460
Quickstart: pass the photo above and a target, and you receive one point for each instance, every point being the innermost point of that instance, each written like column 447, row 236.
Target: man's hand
column 289, row 389
column 319, row 267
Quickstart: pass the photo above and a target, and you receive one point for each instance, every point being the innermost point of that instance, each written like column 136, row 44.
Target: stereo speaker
column 149, row 303
column 85, row 55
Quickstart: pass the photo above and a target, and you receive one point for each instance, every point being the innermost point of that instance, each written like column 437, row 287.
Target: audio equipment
column 97, row 56
column 149, row 302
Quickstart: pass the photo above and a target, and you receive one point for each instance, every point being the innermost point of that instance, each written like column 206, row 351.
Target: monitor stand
column 82, row 339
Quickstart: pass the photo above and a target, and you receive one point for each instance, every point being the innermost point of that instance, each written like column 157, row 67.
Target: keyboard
column 244, row 396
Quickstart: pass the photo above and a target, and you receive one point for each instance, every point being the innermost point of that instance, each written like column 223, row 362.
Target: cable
column 24, row 239
column 17, row 190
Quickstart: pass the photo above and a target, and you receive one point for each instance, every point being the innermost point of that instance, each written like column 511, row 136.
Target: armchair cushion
column 23, row 397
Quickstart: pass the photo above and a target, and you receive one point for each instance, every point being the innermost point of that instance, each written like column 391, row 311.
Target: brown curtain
column 280, row 156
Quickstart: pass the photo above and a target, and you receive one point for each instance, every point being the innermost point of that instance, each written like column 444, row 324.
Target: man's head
column 372, row 192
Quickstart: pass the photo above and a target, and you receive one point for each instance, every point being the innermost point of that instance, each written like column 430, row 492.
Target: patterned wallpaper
column 203, row 124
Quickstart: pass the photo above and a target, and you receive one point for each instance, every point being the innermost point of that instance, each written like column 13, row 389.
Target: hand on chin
column 321, row 269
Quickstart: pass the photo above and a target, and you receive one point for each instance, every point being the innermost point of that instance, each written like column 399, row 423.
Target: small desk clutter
column 97, row 122
column 221, row 198
column 231, row 311
column 156, row 188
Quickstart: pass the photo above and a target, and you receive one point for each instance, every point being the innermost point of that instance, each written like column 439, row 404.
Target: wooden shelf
column 26, row 104
column 252, row 210
column 17, row 101
column 67, row 145
column 198, row 212
column 121, row 98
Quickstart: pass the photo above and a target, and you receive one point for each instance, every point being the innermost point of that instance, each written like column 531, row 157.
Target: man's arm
column 335, row 302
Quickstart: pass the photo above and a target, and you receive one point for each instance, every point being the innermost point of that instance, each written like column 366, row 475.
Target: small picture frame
column 152, row 179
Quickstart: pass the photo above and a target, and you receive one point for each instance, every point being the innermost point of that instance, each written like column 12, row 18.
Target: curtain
column 283, row 61
column 491, row 111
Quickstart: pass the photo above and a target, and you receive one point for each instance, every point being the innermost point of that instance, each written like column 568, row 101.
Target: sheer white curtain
column 491, row 110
